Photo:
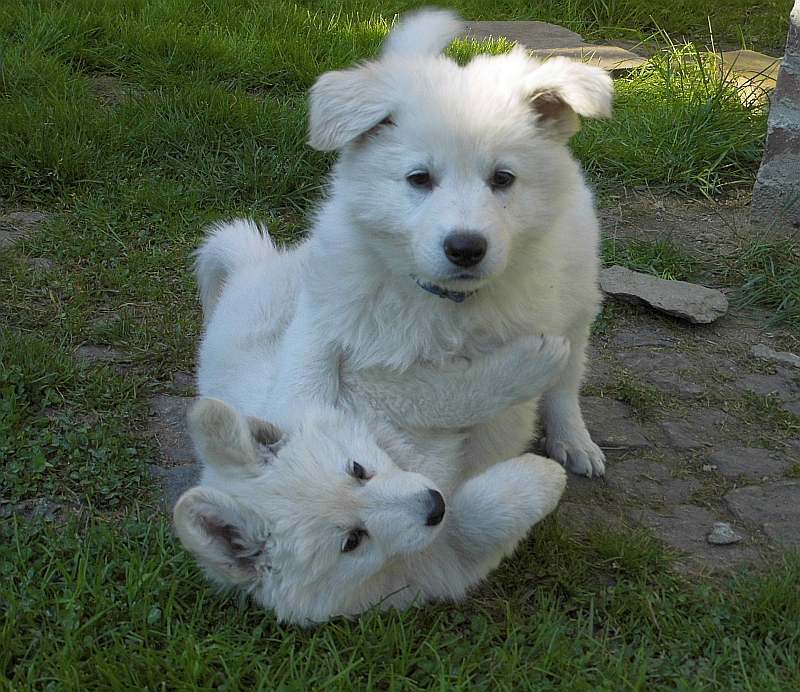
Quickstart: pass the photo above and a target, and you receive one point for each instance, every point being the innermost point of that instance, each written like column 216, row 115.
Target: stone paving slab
column 93, row 353
column 641, row 479
column 17, row 225
column 700, row 428
column 750, row 463
column 611, row 58
column 174, row 481
column 686, row 528
column 692, row 302
column 549, row 40
column 773, row 507
column 537, row 35
column 168, row 427
column 545, row 40
column 612, row 424
column 752, row 64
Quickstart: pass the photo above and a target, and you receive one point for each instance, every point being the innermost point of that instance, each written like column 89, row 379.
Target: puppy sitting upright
column 457, row 220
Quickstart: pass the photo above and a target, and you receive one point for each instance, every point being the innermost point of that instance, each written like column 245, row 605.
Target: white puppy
column 456, row 222
column 320, row 521
column 345, row 510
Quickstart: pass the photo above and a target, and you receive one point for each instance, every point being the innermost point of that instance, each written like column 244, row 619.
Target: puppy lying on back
column 321, row 521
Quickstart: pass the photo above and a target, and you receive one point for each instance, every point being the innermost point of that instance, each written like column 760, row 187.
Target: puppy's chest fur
column 400, row 336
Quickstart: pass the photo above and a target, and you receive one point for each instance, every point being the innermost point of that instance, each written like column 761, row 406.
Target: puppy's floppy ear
column 227, row 440
column 346, row 104
column 560, row 90
column 228, row 540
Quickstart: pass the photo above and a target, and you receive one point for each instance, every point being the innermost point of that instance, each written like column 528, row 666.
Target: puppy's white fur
column 450, row 390
column 273, row 508
column 273, row 511
column 413, row 109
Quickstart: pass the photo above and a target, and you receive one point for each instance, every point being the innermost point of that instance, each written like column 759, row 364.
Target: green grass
column 123, row 607
column 660, row 257
column 209, row 121
column 677, row 125
column 767, row 271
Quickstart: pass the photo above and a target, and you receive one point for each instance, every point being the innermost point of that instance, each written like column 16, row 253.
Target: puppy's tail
column 425, row 32
column 227, row 247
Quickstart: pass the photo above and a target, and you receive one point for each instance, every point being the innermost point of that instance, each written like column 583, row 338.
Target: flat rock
column 168, row 427
column 642, row 361
column 698, row 429
column 17, row 225
column 538, row 35
column 599, row 373
column 42, row 264
column 764, row 352
column 611, row 58
column 752, row 463
column 792, row 407
column 680, row 435
column 767, row 385
column 583, row 517
column 39, row 508
column 174, row 481
column 722, row 533
column 685, row 528
column 612, row 425
column 548, row 40
column 773, row 507
column 183, row 383
column 675, row 384
column 649, row 480
column 692, row 302
column 751, row 64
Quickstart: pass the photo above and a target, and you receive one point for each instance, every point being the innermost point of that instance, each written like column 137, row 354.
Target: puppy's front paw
column 577, row 453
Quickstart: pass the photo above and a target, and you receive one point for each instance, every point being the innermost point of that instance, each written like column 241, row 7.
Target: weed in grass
column 60, row 430
column 661, row 257
column 767, row 272
column 767, row 413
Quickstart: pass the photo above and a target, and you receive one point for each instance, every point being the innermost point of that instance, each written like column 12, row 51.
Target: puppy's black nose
column 464, row 248
column 436, row 514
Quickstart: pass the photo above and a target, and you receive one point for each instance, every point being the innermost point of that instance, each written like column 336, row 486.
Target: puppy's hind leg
column 485, row 520
column 492, row 512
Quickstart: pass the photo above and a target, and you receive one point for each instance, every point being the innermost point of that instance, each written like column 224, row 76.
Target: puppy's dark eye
column 501, row 180
column 353, row 540
column 420, row 179
column 357, row 471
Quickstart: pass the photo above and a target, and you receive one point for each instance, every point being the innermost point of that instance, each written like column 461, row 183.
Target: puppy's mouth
column 457, row 294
